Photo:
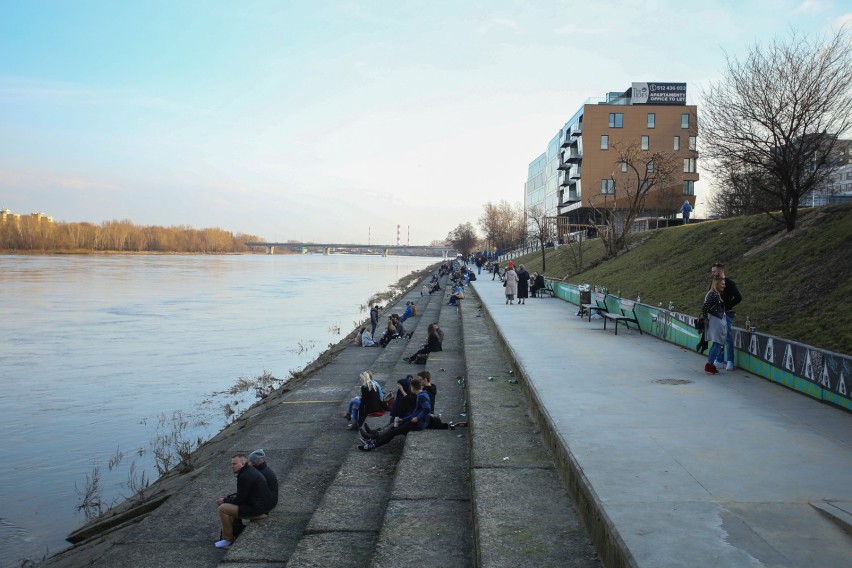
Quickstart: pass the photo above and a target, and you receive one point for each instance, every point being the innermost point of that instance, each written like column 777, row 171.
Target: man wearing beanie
column 257, row 459
column 253, row 500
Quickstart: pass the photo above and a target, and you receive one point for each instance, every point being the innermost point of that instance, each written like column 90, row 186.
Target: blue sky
column 324, row 120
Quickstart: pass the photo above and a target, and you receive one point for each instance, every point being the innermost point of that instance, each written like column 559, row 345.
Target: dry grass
column 795, row 285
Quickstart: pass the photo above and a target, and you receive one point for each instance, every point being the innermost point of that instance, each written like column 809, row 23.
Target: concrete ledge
column 611, row 548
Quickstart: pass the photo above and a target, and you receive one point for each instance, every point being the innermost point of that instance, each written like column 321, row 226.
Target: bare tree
column 463, row 238
column 772, row 122
column 503, row 224
column 636, row 174
column 541, row 228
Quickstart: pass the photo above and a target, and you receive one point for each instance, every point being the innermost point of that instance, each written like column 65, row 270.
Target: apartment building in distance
column 582, row 164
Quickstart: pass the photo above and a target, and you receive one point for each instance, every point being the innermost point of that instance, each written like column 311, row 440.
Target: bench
column 599, row 305
column 547, row 289
column 625, row 306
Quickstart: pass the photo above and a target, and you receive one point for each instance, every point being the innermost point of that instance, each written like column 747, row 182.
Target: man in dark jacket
column 418, row 419
column 252, row 500
column 257, row 459
column 374, row 319
column 730, row 297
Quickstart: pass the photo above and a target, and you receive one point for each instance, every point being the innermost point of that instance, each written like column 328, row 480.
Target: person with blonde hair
column 369, row 401
column 716, row 329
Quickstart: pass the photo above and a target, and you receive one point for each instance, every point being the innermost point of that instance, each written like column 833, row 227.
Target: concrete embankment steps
column 396, row 502
column 428, row 516
column 522, row 512
column 442, row 498
column 331, row 507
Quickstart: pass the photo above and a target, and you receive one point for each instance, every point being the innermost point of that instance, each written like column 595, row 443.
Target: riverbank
column 436, row 495
column 97, row 350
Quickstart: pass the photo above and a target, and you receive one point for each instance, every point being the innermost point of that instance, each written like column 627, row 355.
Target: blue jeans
column 715, row 352
column 354, row 405
column 729, row 341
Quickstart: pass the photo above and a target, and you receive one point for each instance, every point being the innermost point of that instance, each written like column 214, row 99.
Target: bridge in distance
column 338, row 248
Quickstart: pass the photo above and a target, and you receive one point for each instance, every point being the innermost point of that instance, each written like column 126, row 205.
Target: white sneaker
column 223, row 543
column 719, row 363
column 729, row 366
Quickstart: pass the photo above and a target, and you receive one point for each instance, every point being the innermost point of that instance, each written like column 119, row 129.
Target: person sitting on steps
column 417, row 420
column 433, row 343
column 369, row 401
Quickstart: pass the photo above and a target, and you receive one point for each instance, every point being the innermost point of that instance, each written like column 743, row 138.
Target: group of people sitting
column 394, row 330
column 256, row 496
column 412, row 409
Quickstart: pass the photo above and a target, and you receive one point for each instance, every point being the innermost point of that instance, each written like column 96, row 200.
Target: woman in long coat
column 510, row 281
column 523, row 284
column 716, row 329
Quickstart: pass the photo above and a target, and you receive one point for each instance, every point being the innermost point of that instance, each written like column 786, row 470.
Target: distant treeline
column 33, row 234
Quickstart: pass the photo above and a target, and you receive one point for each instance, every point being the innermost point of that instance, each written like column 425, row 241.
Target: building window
column 689, row 188
column 624, row 167
column 684, row 120
column 604, row 142
column 650, row 167
column 616, row 120
column 645, row 142
column 676, row 143
column 693, row 143
column 607, row 186
column 652, row 119
column 848, row 176
column 689, row 165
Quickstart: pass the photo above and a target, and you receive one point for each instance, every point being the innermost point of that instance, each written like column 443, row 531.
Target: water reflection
column 94, row 348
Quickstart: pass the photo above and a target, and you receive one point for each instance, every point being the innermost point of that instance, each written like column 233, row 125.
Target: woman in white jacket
column 510, row 281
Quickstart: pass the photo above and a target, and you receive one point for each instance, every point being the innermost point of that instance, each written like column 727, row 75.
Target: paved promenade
column 677, row 467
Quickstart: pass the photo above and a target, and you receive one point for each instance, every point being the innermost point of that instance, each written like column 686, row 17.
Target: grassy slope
column 795, row 285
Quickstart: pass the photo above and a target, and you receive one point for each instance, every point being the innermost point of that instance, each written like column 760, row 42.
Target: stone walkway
column 672, row 467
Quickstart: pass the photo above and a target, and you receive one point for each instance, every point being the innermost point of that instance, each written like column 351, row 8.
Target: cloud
column 810, row 6
column 23, row 179
column 841, row 21
column 495, row 23
column 574, row 29
column 28, row 89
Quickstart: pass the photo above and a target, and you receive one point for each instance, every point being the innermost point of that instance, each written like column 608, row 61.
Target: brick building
column 584, row 163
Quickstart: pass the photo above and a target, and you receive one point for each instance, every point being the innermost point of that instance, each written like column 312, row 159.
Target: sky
column 331, row 121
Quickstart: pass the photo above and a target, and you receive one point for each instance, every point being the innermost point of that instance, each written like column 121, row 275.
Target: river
column 97, row 353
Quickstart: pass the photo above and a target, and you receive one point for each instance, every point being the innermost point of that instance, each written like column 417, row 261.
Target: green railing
column 820, row 374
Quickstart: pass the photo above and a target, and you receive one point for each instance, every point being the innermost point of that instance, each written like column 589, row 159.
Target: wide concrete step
column 522, row 512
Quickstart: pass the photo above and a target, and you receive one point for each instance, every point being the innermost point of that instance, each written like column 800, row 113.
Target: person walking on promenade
column 686, row 209
column 253, row 499
column 715, row 329
column 523, row 285
column 510, row 281
column 730, row 297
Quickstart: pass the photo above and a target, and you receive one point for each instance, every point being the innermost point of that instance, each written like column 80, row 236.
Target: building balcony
column 576, row 172
column 576, row 130
column 564, row 166
column 565, row 180
column 573, row 156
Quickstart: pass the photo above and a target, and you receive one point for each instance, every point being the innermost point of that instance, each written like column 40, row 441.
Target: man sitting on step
column 253, row 499
column 417, row 420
